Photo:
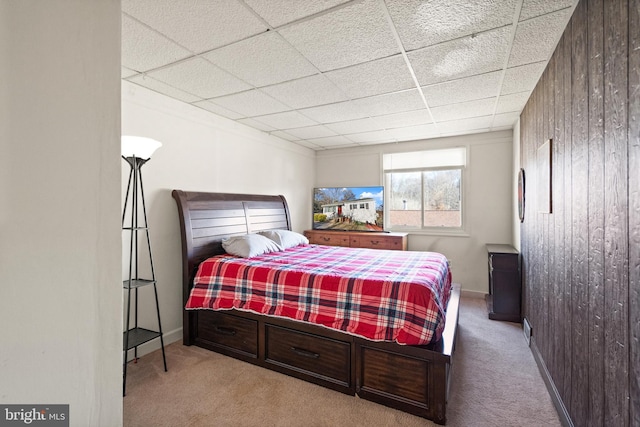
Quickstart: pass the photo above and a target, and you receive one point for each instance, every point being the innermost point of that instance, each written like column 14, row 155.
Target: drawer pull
column 375, row 242
column 305, row 353
column 326, row 239
column 225, row 331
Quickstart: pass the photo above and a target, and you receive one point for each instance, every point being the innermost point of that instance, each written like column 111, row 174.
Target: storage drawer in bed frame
column 327, row 360
column 405, row 381
column 228, row 334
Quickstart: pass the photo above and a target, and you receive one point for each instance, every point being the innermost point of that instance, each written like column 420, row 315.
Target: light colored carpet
column 495, row 383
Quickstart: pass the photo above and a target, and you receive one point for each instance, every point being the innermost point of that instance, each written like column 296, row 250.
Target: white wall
column 487, row 204
column 60, row 289
column 204, row 152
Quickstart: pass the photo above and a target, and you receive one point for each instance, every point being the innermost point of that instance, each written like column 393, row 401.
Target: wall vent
column 526, row 329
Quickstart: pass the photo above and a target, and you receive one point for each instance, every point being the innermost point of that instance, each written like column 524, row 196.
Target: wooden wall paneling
column 547, row 221
column 616, row 212
column 581, row 264
column 634, row 212
column 596, row 212
column 529, row 216
column 525, row 238
column 568, row 209
column 558, row 278
column 531, row 220
column 537, row 259
column 539, row 232
column 579, row 193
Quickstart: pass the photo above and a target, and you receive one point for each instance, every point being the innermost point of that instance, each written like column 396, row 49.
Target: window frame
column 428, row 230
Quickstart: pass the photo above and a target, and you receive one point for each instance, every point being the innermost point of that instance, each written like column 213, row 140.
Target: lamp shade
column 139, row 146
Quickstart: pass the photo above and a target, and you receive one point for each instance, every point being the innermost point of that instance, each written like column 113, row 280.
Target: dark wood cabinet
column 358, row 239
column 505, row 293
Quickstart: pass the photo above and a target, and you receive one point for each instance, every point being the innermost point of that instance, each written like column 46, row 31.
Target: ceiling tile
column 355, row 126
column 462, row 125
column 332, row 141
column 250, row 103
column 414, row 132
column 200, row 78
column 465, row 89
column 286, row 120
column 197, row 25
column 160, row 87
column 533, row 8
column 408, row 118
column 522, row 78
column 505, row 119
column 317, row 131
column 350, row 35
column 464, row 57
column 262, row 60
column 373, row 78
column 282, row 134
column 280, row 12
column 144, row 49
column 536, row 38
column 210, row 106
column 424, row 23
column 308, row 144
column 390, row 103
column 464, row 110
column 374, row 137
column 335, row 112
column 514, row 102
column 256, row 124
column 306, row 92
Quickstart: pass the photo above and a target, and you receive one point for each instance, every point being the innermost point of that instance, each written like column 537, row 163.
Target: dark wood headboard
column 207, row 218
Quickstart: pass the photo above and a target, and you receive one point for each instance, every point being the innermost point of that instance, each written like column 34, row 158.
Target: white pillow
column 249, row 245
column 285, row 238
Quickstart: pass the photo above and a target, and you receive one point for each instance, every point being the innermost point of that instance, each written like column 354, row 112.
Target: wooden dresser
column 358, row 239
column 503, row 300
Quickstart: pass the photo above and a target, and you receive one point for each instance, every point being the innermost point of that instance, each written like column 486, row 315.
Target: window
column 424, row 189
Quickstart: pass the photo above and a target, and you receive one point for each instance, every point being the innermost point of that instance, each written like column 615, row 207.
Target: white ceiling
column 335, row 73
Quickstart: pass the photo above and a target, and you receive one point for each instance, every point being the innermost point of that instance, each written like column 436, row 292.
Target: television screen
column 348, row 208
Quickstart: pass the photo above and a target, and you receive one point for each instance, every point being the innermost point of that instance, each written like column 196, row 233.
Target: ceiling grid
column 342, row 73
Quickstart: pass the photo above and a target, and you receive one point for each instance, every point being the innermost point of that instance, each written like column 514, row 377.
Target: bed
column 407, row 369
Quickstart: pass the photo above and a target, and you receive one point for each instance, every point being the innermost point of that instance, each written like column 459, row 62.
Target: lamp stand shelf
column 133, row 335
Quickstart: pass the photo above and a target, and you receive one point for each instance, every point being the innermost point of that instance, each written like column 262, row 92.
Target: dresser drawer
column 319, row 357
column 503, row 262
column 373, row 242
column 329, row 239
column 228, row 331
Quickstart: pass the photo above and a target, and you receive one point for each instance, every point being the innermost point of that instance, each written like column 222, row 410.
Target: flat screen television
column 348, row 208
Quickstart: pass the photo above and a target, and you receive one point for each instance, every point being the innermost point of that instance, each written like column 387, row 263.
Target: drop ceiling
column 333, row 73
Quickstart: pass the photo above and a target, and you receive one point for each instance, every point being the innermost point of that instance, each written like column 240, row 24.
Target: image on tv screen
column 348, row 208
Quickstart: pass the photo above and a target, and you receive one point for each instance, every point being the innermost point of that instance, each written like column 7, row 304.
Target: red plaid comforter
column 381, row 295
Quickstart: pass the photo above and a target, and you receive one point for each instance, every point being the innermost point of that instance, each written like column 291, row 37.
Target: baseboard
column 563, row 414
column 472, row 294
column 526, row 330
column 151, row 346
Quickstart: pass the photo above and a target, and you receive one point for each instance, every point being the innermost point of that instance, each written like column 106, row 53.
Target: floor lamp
column 137, row 151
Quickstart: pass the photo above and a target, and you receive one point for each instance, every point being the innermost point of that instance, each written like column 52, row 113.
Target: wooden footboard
column 414, row 379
